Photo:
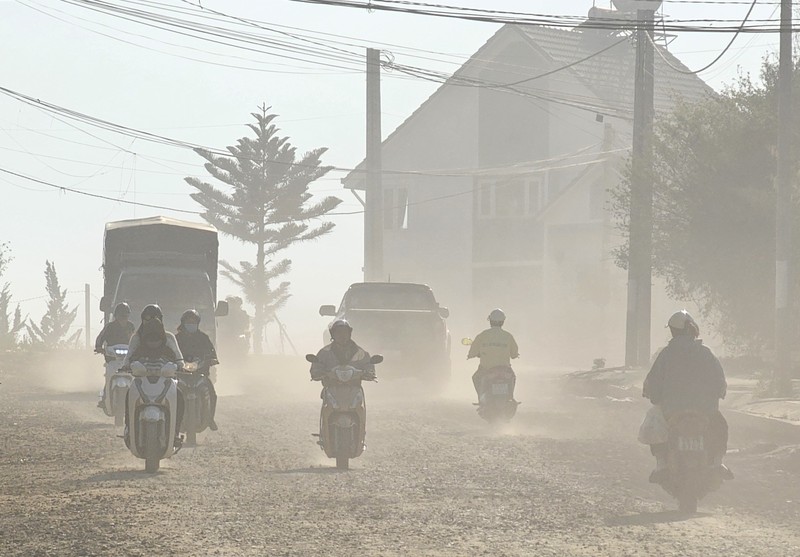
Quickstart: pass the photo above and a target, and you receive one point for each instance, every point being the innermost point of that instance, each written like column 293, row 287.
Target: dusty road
column 567, row 478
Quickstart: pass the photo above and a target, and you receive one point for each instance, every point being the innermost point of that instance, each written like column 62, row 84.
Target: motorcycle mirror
column 311, row 358
column 376, row 359
column 466, row 341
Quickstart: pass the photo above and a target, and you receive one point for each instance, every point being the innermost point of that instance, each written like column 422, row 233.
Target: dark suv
column 401, row 321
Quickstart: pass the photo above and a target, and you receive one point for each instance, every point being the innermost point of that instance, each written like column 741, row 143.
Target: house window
column 511, row 197
column 395, row 208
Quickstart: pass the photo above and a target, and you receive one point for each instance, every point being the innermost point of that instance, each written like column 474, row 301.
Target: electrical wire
column 97, row 195
column 696, row 25
column 715, row 60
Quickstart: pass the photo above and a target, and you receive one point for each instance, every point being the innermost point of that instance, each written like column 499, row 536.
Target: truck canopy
column 158, row 242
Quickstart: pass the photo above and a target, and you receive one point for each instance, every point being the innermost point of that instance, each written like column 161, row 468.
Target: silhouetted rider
column 687, row 376
column 118, row 331
column 340, row 352
column 196, row 346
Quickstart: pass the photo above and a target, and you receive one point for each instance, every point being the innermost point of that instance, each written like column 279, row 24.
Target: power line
column 696, row 25
column 715, row 60
column 97, row 195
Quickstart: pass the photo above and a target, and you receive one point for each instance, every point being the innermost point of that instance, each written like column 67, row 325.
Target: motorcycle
column 343, row 418
column 690, row 475
column 196, row 390
column 117, row 382
column 152, row 412
column 497, row 404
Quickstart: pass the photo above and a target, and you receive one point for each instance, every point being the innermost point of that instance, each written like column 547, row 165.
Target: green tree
column 53, row 329
column 265, row 201
column 714, row 208
column 10, row 325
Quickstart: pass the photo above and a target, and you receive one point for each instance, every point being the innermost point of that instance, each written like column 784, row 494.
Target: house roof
column 609, row 75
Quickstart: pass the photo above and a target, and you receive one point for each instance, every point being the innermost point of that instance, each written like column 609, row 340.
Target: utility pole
column 87, row 304
column 637, row 333
column 783, row 214
column 373, row 212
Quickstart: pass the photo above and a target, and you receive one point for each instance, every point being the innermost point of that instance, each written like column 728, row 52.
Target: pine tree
column 54, row 326
column 265, row 202
column 9, row 326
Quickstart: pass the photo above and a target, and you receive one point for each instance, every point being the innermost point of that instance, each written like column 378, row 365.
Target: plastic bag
column 654, row 429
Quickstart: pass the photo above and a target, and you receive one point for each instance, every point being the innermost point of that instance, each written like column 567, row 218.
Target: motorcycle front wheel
column 151, row 463
column 342, row 463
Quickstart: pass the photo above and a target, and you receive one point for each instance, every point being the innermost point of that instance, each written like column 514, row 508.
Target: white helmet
column 680, row 320
column 497, row 316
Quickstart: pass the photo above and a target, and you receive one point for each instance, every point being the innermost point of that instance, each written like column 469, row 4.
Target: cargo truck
column 164, row 261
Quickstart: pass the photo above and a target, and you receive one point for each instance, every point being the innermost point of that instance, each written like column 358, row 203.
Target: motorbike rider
column 341, row 351
column 233, row 335
column 196, row 346
column 118, row 331
column 495, row 347
column 687, row 376
column 153, row 345
column 149, row 313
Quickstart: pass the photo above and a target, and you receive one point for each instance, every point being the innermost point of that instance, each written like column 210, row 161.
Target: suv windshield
column 391, row 297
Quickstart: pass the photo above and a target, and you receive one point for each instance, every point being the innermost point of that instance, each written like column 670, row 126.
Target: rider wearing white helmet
column 687, row 376
column 495, row 347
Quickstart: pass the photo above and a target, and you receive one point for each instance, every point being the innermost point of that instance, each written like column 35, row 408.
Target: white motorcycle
column 117, row 382
column 152, row 409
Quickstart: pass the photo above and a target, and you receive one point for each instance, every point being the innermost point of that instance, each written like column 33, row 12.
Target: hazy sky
column 142, row 78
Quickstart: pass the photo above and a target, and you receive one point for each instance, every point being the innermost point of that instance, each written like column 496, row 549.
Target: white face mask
column 191, row 327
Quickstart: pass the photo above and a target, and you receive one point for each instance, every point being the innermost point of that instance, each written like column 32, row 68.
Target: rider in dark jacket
column 196, row 346
column 341, row 351
column 118, row 331
column 153, row 345
column 687, row 376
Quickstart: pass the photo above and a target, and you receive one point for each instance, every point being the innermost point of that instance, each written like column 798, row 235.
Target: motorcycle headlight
column 152, row 414
column 121, row 351
column 344, row 374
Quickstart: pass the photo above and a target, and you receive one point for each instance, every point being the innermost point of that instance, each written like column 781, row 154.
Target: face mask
column 191, row 327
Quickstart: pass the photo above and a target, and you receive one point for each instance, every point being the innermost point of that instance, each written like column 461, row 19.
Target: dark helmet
column 190, row 315
column 152, row 311
column 122, row 309
column 340, row 323
column 153, row 331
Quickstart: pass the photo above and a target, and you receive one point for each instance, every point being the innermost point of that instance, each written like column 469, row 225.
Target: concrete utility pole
column 783, row 214
column 373, row 212
column 637, row 334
